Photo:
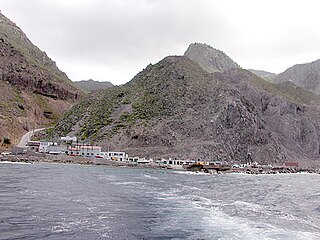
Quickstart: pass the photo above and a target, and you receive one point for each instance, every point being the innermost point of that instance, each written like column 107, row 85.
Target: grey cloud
column 126, row 34
column 107, row 31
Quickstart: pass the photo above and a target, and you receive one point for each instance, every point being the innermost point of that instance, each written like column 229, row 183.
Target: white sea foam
column 241, row 228
column 21, row 163
column 248, row 206
column 62, row 227
column 210, row 213
column 190, row 187
column 190, row 173
column 128, row 183
column 149, row 176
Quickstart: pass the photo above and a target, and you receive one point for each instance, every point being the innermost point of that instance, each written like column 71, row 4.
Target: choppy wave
column 150, row 177
column 58, row 202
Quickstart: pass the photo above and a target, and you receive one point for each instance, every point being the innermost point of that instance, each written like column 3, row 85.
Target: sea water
column 61, row 201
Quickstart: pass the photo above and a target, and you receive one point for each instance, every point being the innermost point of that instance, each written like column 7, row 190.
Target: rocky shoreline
column 75, row 160
column 271, row 171
column 104, row 162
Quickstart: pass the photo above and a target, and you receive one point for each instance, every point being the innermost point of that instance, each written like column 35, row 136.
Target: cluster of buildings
column 71, row 147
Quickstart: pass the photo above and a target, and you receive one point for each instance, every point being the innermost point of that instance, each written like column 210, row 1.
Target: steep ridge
column 210, row 59
column 34, row 92
column 176, row 109
column 305, row 75
column 27, row 67
column 89, row 85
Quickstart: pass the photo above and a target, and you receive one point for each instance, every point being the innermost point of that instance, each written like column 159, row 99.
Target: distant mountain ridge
column 33, row 92
column 90, row 85
column 263, row 74
column 305, row 75
column 210, row 59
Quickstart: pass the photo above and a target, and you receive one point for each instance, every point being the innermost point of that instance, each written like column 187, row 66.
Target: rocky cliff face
column 28, row 68
column 284, row 123
column 176, row 109
column 210, row 59
column 306, row 76
column 33, row 90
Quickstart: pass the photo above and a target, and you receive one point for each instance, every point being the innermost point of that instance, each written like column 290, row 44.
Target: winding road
column 25, row 138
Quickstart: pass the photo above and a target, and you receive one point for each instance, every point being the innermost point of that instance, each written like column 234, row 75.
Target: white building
column 117, row 156
column 132, row 159
column 56, row 149
column 85, row 151
column 34, row 145
column 143, row 161
column 68, row 139
column 103, row 155
column 173, row 162
column 43, row 146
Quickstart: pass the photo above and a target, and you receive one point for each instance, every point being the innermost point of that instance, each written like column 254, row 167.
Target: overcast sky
column 112, row 40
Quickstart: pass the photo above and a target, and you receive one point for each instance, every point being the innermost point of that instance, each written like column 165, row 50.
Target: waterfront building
column 34, row 145
column 85, row 151
column 43, row 146
column 117, row 156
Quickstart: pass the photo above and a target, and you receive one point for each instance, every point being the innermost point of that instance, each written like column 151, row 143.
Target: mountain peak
column 209, row 58
column 305, row 75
